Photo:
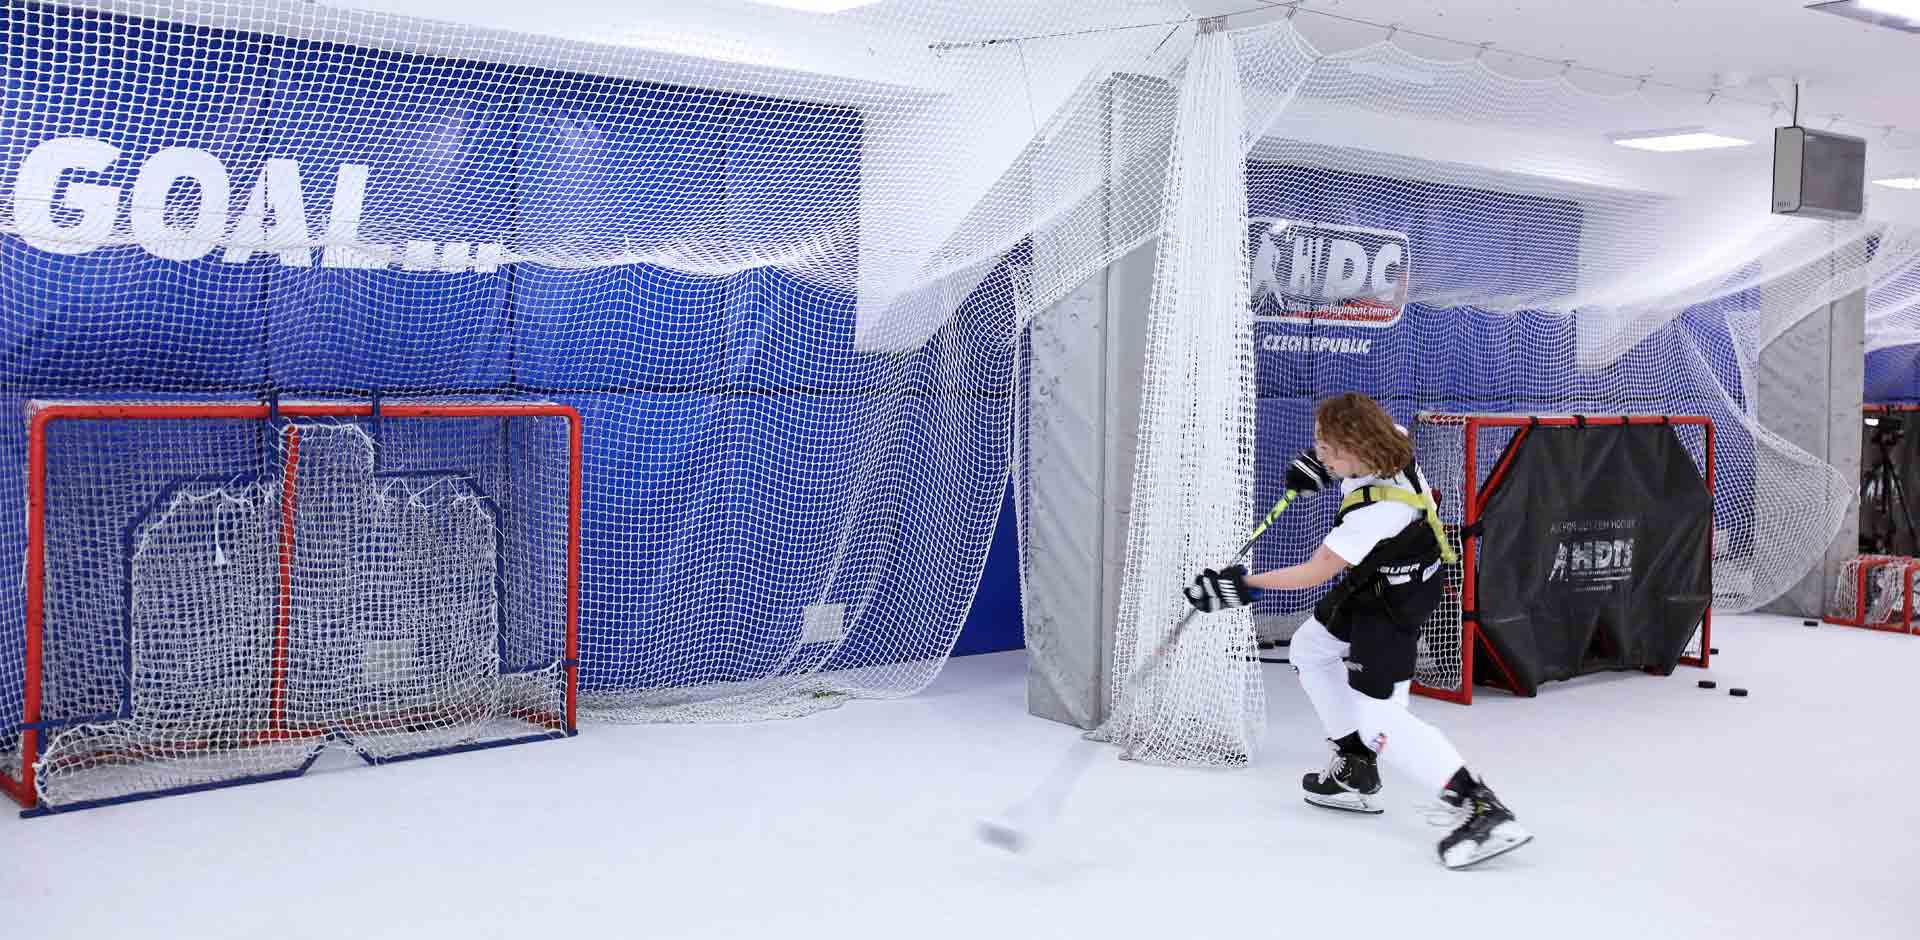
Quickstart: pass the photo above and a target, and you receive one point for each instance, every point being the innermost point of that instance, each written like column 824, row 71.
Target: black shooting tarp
column 1593, row 553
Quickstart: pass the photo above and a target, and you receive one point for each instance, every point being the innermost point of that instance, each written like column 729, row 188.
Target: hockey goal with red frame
column 1466, row 458
column 1875, row 592
column 217, row 591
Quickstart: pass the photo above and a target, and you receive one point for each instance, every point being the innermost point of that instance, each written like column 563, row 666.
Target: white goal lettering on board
column 186, row 222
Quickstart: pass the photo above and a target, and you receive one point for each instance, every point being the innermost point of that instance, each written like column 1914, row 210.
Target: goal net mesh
column 221, row 600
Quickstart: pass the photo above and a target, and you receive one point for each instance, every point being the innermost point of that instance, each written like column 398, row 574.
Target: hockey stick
column 1173, row 637
column 1010, row 829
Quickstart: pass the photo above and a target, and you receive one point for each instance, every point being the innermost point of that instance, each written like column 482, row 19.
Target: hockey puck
column 1809, row 623
column 1714, row 651
column 1737, row 693
column 1002, row 835
column 1708, row 683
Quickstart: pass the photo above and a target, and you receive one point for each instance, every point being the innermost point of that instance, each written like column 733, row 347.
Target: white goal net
column 220, row 597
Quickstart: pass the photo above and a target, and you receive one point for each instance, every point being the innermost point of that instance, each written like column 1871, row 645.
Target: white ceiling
column 1869, row 75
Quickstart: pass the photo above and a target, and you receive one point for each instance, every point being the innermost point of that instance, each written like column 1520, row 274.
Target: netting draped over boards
column 1893, row 308
column 774, row 260
column 1893, row 336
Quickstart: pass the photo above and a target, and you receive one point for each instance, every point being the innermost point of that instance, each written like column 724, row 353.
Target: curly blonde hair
column 1358, row 425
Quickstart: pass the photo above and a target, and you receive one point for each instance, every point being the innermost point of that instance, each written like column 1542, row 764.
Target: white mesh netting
column 780, row 262
column 1440, row 448
column 1204, row 702
column 1893, row 307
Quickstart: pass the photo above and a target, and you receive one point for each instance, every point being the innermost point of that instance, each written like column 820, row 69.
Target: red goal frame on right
column 1474, row 500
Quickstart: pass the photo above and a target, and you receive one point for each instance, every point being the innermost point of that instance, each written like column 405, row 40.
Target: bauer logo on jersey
column 1306, row 272
column 1594, row 554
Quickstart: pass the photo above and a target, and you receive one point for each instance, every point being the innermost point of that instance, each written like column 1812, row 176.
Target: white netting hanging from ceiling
column 1193, row 480
column 779, row 261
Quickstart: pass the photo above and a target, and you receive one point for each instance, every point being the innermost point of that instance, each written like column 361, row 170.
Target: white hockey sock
column 1406, row 743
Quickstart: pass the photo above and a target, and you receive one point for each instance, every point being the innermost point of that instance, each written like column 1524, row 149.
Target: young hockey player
column 1388, row 539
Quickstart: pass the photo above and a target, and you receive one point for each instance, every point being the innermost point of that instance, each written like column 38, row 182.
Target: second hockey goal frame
column 1471, row 475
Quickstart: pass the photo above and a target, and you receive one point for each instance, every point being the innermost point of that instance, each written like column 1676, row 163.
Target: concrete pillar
column 1082, row 404
column 1810, row 382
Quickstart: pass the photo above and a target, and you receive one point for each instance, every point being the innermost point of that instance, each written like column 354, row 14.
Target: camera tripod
column 1881, row 490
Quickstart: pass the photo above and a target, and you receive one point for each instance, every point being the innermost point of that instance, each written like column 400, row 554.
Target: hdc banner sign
column 1308, row 272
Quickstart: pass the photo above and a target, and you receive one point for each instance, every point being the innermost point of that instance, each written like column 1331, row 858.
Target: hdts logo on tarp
column 1594, row 554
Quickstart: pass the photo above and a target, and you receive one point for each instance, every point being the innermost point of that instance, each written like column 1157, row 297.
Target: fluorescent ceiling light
column 1903, row 15
column 818, row 6
column 1677, row 140
column 1910, row 181
column 1907, row 8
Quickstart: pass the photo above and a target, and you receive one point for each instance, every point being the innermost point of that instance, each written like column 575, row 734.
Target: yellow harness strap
column 1421, row 501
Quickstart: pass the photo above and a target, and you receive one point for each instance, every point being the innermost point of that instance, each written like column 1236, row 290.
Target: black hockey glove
column 1306, row 474
column 1218, row 590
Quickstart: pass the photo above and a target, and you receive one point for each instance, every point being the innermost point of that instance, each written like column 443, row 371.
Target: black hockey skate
column 1483, row 826
column 1349, row 780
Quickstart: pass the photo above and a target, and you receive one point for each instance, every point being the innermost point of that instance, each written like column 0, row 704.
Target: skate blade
column 1500, row 844
column 1346, row 803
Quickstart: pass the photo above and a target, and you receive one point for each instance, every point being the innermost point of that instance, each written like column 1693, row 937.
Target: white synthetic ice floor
column 1662, row 810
